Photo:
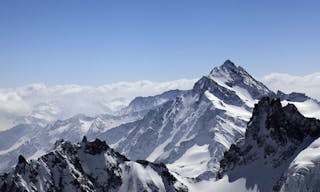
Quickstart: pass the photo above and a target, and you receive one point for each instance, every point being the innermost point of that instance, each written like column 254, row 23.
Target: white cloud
column 309, row 84
column 63, row 101
column 11, row 102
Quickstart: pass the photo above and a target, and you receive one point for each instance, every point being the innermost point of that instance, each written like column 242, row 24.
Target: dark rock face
column 87, row 166
column 95, row 147
column 295, row 97
column 273, row 135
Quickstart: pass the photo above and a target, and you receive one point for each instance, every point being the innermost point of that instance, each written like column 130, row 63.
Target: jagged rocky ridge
column 275, row 136
column 88, row 166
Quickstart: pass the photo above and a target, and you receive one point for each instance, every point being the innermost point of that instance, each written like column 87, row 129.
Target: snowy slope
column 274, row 137
column 22, row 139
column 304, row 171
column 88, row 166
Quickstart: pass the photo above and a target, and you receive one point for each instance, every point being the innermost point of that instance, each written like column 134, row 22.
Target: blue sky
column 96, row 42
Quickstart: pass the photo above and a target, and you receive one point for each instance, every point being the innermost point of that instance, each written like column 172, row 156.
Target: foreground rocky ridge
column 275, row 136
column 88, row 166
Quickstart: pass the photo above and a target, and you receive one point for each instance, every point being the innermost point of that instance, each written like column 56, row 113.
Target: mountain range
column 215, row 134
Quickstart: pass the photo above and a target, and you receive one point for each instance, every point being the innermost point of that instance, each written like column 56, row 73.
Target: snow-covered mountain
column 144, row 104
column 49, row 103
column 307, row 106
column 269, row 158
column 33, row 140
column 88, row 166
column 188, row 130
column 191, row 132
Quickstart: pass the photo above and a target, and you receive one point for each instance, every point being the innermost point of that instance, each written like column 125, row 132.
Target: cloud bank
column 63, row 101
column 309, row 84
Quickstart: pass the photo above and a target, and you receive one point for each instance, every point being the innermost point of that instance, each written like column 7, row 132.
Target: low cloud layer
column 63, row 101
column 309, row 84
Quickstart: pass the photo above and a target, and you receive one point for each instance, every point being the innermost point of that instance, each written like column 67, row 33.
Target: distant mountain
column 309, row 107
column 49, row 103
column 88, row 166
column 144, row 104
column 33, row 139
column 275, row 136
